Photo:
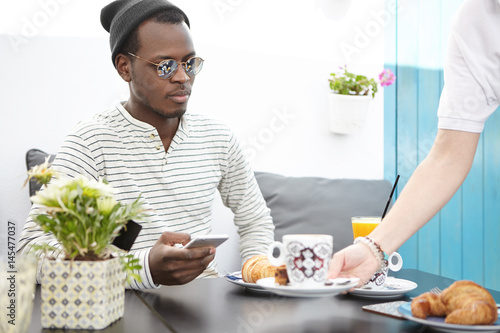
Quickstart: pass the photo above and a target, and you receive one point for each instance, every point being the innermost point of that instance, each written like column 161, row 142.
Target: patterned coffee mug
column 306, row 258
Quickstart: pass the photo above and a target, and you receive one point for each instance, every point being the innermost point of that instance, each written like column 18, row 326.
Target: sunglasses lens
column 194, row 66
column 166, row 68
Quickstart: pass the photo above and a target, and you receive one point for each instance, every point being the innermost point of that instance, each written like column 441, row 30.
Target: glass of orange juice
column 363, row 225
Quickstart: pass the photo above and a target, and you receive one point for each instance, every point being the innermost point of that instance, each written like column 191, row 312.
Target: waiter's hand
column 353, row 261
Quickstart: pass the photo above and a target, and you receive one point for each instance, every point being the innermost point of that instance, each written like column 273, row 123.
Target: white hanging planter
column 347, row 113
column 82, row 294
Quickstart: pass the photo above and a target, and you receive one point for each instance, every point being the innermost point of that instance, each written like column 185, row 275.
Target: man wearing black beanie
column 150, row 147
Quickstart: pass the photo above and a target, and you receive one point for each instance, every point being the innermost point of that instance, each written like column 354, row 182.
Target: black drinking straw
column 390, row 196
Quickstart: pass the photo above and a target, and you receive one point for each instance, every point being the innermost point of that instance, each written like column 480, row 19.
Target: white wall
column 266, row 69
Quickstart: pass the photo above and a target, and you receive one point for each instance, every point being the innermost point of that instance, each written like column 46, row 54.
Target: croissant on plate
column 463, row 303
column 428, row 304
column 257, row 267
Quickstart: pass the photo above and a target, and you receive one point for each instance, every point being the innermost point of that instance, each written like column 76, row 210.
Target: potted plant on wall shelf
column 83, row 288
column 349, row 99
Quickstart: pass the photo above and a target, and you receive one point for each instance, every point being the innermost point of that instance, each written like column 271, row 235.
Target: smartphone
column 207, row 240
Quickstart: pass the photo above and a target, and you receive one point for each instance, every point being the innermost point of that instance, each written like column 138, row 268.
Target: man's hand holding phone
column 171, row 265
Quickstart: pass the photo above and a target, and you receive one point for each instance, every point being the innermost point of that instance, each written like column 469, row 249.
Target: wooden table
column 215, row 305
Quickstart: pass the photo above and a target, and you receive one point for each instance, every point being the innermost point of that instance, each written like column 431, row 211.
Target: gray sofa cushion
column 35, row 157
column 319, row 205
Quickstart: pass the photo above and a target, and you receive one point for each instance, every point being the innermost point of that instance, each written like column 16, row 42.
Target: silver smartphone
column 207, row 241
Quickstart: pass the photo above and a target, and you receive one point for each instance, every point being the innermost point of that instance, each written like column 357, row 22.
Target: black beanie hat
column 121, row 17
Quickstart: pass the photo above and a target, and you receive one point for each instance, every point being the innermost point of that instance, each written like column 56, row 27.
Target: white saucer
column 393, row 288
column 321, row 291
column 438, row 324
column 236, row 278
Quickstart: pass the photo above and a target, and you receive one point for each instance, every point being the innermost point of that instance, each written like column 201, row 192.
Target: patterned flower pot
column 347, row 113
column 82, row 294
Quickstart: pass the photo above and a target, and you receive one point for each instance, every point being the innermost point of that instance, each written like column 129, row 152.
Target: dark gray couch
column 315, row 205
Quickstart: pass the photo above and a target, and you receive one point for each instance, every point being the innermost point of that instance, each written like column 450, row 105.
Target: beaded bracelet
column 377, row 251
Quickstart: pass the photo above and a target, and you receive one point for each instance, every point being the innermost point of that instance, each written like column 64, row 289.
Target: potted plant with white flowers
column 350, row 96
column 83, row 288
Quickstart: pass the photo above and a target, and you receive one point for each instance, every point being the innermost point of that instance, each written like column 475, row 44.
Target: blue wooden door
column 463, row 240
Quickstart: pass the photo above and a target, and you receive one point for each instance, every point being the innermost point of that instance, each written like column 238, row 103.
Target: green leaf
column 347, row 83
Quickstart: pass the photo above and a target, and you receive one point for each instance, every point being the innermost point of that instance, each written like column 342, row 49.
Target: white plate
column 236, row 278
column 393, row 288
column 438, row 324
column 322, row 291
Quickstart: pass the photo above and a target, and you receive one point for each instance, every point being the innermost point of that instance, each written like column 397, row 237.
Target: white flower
column 106, row 204
column 42, row 173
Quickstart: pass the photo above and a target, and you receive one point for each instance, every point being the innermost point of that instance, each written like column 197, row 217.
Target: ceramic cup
column 377, row 281
column 306, row 257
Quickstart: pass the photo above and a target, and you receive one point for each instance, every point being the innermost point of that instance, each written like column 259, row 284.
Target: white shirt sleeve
column 241, row 193
column 472, row 68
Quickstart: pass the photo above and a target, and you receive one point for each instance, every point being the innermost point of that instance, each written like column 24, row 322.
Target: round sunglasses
column 167, row 68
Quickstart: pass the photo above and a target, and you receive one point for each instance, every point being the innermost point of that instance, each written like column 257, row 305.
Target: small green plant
column 83, row 215
column 347, row 83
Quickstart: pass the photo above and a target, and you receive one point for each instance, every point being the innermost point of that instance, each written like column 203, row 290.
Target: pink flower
column 386, row 78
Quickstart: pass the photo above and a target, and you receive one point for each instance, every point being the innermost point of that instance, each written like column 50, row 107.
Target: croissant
column 428, row 304
column 257, row 267
column 468, row 303
column 463, row 303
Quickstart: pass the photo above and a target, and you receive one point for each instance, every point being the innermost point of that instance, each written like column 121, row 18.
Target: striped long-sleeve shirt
column 178, row 186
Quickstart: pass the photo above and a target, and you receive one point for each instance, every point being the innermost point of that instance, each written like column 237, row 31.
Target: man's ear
column 123, row 67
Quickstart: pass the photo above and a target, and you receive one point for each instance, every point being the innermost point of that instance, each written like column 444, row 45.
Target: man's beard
column 174, row 114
